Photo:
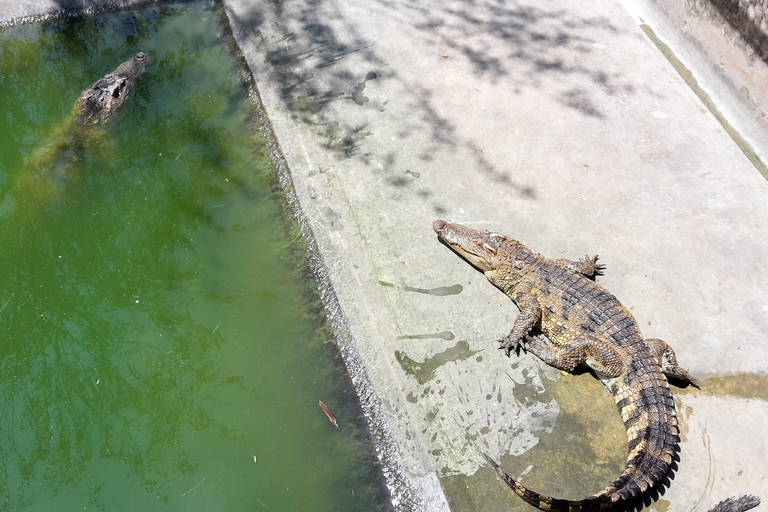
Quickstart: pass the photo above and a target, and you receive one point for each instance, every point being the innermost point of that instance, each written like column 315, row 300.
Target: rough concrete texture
column 562, row 125
column 558, row 123
column 724, row 45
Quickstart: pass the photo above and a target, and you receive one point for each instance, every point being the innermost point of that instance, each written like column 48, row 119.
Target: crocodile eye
column 490, row 248
column 119, row 90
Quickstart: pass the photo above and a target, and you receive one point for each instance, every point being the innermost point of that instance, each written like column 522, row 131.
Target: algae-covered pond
column 162, row 343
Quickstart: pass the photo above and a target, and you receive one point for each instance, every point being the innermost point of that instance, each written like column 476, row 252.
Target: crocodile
column 56, row 164
column 568, row 320
column 99, row 102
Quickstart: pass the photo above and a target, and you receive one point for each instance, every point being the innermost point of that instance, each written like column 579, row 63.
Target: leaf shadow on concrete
column 321, row 61
column 531, row 46
column 747, row 18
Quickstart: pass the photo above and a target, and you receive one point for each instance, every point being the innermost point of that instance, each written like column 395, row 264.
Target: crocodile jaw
column 480, row 248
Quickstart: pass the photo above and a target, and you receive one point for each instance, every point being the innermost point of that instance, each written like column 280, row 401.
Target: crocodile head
column 99, row 102
column 499, row 257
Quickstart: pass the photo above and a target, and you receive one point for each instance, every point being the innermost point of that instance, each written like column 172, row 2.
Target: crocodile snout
column 438, row 225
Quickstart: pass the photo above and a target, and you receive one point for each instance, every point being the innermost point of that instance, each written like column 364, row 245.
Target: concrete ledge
column 719, row 60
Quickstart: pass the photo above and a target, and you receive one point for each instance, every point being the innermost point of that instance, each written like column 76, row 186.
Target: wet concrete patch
column 425, row 371
column 481, row 491
column 584, row 452
column 587, row 448
column 358, row 97
column 440, row 291
column 445, row 335
column 745, row 385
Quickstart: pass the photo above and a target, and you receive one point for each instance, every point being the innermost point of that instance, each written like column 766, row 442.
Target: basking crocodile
column 56, row 164
column 583, row 324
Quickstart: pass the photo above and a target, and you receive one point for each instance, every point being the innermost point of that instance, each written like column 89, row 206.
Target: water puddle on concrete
column 425, row 371
column 440, row 291
column 164, row 346
column 583, row 454
column 745, row 385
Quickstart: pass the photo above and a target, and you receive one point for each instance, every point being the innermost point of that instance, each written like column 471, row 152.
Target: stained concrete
column 562, row 125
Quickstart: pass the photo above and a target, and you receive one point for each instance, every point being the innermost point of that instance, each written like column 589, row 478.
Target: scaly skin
column 737, row 504
column 583, row 324
column 99, row 102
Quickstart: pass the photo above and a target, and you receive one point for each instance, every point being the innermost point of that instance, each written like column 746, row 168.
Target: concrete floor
column 559, row 124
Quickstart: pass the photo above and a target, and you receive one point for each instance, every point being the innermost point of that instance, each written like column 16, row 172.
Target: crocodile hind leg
column 584, row 350
column 666, row 357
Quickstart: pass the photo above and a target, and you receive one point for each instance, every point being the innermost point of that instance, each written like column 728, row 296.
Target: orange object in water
column 328, row 413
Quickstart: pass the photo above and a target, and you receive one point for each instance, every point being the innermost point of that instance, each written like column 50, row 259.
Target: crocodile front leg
column 530, row 315
column 588, row 266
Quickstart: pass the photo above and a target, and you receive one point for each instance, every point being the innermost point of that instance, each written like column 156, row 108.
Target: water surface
column 163, row 346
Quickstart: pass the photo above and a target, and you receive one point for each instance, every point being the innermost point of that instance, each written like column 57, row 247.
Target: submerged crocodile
column 54, row 165
column 99, row 102
column 581, row 323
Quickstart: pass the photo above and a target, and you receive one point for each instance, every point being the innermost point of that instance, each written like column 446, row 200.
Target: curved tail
column 648, row 411
column 540, row 501
column 737, row 504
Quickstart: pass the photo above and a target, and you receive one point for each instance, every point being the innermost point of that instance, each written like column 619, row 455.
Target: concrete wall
column 733, row 34
column 750, row 19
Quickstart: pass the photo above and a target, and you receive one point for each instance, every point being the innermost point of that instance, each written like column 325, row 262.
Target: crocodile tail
column 540, row 501
column 647, row 408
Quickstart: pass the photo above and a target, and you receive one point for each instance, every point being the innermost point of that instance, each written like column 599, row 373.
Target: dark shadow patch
column 736, row 14
column 439, row 292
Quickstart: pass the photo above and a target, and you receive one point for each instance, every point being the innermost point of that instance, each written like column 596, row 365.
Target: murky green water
column 162, row 346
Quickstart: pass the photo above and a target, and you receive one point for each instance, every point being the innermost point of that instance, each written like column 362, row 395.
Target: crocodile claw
column 509, row 344
column 598, row 269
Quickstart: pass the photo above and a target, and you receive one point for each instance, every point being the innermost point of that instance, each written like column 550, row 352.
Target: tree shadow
column 736, row 14
column 320, row 62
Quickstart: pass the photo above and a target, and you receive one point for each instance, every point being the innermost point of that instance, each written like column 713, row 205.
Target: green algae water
column 162, row 343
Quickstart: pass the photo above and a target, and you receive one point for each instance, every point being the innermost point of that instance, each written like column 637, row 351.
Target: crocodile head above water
column 99, row 102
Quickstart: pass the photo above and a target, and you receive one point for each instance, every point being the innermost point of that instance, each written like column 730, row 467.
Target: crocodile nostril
column 438, row 225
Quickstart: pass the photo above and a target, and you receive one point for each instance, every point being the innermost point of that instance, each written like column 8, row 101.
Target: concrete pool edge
column 405, row 490
column 409, row 491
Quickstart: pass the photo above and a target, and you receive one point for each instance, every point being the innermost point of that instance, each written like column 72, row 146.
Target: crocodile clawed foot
column 682, row 375
column 598, row 269
column 509, row 344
